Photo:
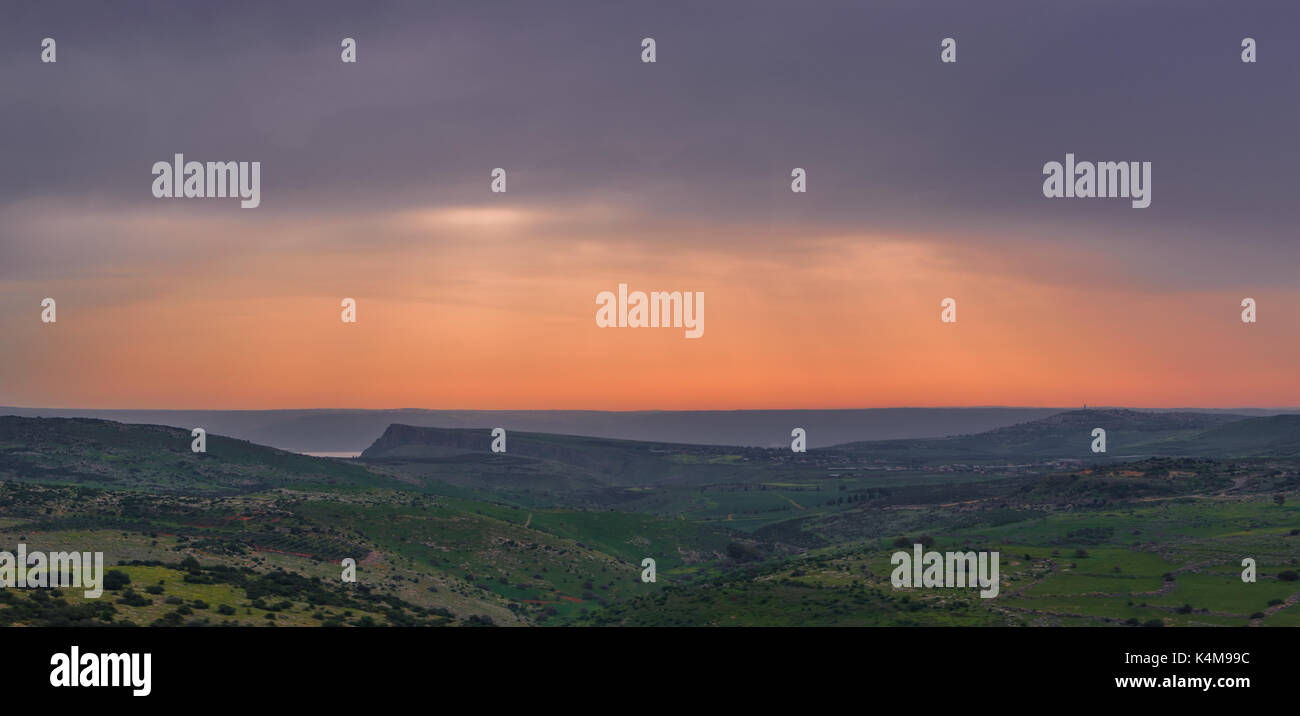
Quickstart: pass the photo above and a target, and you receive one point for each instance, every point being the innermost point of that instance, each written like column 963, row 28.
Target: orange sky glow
column 492, row 308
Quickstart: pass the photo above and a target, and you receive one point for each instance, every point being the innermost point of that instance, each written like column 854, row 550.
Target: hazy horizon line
column 662, row 410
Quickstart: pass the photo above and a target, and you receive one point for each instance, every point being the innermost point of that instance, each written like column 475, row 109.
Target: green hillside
column 1129, row 433
column 1273, row 436
column 77, row 451
column 445, row 533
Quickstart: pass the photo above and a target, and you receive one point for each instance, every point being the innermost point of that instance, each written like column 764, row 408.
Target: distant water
column 333, row 454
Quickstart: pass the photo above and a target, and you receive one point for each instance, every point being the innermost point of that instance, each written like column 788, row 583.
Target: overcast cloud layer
column 384, row 165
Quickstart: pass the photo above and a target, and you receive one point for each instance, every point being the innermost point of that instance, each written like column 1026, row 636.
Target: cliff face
column 411, row 442
column 408, row 440
column 602, row 460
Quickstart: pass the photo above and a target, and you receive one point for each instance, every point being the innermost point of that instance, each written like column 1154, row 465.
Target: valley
column 444, row 532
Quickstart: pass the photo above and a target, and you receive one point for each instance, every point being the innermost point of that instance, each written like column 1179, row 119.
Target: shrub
column 116, row 579
column 131, row 599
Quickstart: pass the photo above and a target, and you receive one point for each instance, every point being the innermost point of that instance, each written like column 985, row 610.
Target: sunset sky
column 924, row 181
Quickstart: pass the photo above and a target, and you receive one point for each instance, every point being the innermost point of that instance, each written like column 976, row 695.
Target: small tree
column 116, row 579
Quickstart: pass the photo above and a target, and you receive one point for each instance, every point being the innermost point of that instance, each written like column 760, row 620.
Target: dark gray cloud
column 893, row 140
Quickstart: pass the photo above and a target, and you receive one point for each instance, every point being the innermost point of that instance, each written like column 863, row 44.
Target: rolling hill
column 101, row 453
column 541, row 461
column 1129, row 434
